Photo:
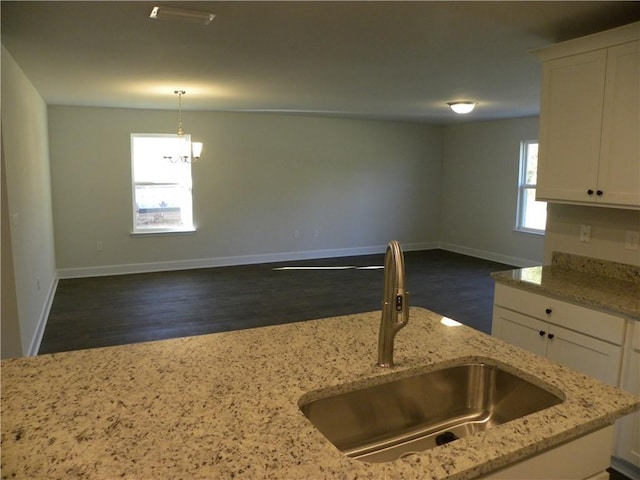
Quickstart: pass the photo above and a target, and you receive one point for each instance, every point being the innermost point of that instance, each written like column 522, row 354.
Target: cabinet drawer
column 585, row 320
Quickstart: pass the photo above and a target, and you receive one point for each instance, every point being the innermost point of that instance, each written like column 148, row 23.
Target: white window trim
column 161, row 231
column 164, row 232
column 522, row 187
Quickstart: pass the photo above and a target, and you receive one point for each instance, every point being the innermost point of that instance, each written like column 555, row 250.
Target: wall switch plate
column 585, row 233
column 632, row 239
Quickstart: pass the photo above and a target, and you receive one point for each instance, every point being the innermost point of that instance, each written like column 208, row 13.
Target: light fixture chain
column 180, row 128
column 194, row 154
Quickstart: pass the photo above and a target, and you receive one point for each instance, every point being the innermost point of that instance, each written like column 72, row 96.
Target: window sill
column 159, row 232
column 530, row 231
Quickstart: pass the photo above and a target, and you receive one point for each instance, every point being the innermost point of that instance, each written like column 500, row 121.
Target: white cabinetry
column 583, row 458
column 595, row 343
column 579, row 338
column 590, row 120
column 628, row 428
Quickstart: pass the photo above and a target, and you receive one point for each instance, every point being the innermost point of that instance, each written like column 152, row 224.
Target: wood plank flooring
column 116, row 310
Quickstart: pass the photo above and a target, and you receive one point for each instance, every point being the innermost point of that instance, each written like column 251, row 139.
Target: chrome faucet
column 395, row 303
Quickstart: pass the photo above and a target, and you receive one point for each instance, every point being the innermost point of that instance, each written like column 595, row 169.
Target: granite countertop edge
column 226, row 405
column 614, row 290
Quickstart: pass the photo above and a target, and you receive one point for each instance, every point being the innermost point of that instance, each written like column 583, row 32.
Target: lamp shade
column 196, row 149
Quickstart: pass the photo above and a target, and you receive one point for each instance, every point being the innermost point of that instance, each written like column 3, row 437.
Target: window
column 161, row 189
column 532, row 215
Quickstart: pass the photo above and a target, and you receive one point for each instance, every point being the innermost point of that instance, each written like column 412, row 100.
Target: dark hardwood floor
column 122, row 309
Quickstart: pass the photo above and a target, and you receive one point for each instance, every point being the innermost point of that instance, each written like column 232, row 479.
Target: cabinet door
column 584, row 354
column 570, row 126
column 628, row 428
column 520, row 330
column 619, row 172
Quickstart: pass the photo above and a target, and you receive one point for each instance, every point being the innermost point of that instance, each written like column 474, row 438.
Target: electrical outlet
column 585, row 233
column 99, row 246
column 296, row 233
column 632, row 239
column 316, row 233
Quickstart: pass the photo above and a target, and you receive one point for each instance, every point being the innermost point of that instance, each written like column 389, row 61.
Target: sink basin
column 384, row 422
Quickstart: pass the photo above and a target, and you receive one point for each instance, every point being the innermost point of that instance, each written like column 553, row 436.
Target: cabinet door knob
column 589, row 192
column 599, row 193
column 542, row 332
column 550, row 336
column 548, row 311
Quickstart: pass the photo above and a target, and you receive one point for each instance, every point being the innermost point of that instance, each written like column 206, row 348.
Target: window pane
column 532, row 163
column 534, row 213
column 161, row 189
column 163, row 206
column 150, row 166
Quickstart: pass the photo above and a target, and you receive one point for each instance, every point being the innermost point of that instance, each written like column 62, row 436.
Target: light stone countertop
column 608, row 286
column 225, row 405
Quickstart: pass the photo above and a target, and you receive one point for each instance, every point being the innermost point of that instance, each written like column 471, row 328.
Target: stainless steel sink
column 384, row 422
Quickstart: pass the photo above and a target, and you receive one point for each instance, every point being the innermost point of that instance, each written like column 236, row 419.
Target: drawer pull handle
column 599, row 193
column 550, row 336
column 589, row 192
column 542, row 332
column 548, row 311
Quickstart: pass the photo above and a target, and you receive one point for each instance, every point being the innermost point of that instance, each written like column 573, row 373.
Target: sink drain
column 446, row 437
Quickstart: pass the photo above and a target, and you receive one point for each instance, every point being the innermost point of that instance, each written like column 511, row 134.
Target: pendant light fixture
column 192, row 150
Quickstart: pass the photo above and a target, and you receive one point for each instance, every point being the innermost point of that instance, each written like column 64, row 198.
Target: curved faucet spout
column 395, row 303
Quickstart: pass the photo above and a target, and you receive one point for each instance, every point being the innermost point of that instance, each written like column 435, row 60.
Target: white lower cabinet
column 627, row 451
column 595, row 343
column 581, row 459
column 580, row 352
column 560, row 331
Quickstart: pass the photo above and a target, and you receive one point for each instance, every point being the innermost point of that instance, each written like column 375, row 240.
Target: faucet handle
column 402, row 308
column 399, row 302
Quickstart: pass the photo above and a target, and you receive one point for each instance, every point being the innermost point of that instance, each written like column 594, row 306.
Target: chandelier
column 189, row 151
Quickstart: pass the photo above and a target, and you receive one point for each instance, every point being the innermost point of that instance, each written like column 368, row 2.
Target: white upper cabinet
column 590, row 120
column 619, row 172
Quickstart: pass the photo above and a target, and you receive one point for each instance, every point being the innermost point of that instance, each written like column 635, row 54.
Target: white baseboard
column 124, row 269
column 34, row 346
column 494, row 257
column 99, row 271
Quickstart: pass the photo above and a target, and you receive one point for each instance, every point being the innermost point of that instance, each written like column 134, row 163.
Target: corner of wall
column 29, row 213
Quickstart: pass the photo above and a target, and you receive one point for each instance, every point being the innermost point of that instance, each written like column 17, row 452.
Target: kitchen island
column 225, row 405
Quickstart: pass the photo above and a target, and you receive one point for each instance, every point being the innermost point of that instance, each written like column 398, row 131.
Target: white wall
column 608, row 232
column 26, row 162
column 479, row 191
column 10, row 337
column 358, row 183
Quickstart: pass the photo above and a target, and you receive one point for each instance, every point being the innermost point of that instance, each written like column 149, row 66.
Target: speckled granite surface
column 225, row 405
column 608, row 286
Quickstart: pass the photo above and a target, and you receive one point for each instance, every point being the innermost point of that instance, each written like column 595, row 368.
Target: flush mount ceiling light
column 192, row 150
column 462, row 107
column 178, row 14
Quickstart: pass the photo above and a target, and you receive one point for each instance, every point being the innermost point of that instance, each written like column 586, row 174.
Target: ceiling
column 398, row 60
